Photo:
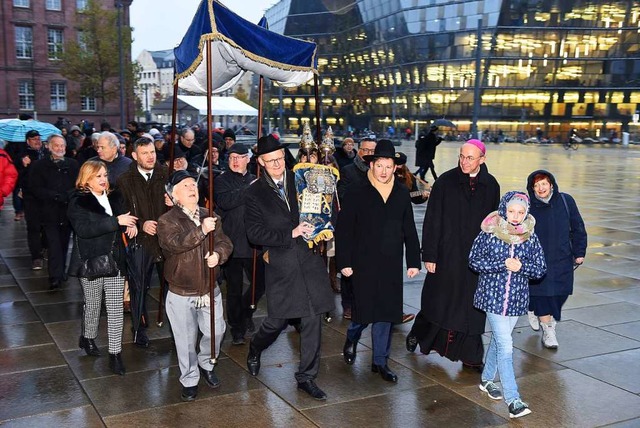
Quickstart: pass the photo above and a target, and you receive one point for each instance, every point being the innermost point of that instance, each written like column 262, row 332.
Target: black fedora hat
column 384, row 149
column 268, row 144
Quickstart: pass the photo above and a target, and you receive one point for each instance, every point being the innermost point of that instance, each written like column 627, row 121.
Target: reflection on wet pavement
column 593, row 379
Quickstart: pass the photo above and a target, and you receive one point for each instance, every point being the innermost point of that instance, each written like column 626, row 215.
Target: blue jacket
column 563, row 237
column 501, row 291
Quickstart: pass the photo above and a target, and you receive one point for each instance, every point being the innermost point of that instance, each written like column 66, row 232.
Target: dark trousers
column 58, row 243
column 380, row 339
column 34, row 227
column 18, row 205
column 422, row 171
column 238, row 299
column 346, row 292
column 310, row 338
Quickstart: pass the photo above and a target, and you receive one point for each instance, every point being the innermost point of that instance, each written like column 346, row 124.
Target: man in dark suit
column 296, row 278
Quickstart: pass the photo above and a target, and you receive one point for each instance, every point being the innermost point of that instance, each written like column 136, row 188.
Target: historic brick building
column 34, row 33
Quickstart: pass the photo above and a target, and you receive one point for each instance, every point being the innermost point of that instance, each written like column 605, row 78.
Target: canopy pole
column 255, row 250
column 212, row 278
column 317, row 97
column 174, row 113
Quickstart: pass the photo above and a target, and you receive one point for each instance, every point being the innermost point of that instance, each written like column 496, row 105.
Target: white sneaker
column 549, row 339
column 534, row 322
column 518, row 409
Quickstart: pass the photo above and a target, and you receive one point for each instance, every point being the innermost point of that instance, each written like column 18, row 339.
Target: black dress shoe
column 210, row 377
column 116, row 364
column 312, row 389
column 349, row 351
column 474, row 367
column 385, row 372
column 189, row 393
column 89, row 346
column 253, row 361
column 141, row 340
column 411, row 342
column 55, row 284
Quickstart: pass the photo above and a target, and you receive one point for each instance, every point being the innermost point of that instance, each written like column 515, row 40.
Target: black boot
column 349, row 351
column 116, row 364
column 253, row 360
column 89, row 346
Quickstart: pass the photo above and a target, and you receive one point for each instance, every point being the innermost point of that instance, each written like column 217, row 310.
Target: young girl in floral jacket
column 506, row 254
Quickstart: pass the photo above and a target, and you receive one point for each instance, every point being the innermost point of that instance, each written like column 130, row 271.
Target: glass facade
column 553, row 64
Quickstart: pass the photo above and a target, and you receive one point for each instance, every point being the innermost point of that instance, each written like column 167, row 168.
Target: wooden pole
column 174, row 112
column 212, row 278
column 255, row 250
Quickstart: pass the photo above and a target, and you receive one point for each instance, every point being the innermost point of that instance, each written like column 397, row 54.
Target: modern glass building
column 548, row 64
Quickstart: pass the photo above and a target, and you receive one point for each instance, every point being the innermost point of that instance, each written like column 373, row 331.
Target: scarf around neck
column 383, row 188
column 507, row 232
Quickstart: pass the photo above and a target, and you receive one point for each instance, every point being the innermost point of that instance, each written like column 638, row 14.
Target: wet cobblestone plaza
column 592, row 380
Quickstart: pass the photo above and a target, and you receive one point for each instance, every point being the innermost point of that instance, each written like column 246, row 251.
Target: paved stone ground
column 593, row 379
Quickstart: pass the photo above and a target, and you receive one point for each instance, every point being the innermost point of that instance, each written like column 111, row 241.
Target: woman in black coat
column 564, row 241
column 374, row 228
column 97, row 219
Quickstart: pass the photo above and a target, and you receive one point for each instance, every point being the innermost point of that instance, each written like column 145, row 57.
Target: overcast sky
column 161, row 24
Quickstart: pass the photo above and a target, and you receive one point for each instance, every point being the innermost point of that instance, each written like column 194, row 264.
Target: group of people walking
column 487, row 257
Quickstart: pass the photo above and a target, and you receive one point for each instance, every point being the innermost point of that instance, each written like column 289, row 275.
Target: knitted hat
column 229, row 133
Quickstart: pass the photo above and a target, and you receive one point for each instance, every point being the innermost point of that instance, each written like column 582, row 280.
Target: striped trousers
column 113, row 288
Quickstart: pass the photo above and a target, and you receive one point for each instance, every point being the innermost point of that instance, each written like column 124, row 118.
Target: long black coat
column 229, row 195
column 371, row 237
column 51, row 183
column 563, row 237
column 296, row 280
column 97, row 232
column 426, row 148
column 451, row 223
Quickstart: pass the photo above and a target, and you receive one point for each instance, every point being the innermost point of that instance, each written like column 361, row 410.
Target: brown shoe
column 346, row 314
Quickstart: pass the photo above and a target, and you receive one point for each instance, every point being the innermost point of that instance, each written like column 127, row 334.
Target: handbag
column 99, row 266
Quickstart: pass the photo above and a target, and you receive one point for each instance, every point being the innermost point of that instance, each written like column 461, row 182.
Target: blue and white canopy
column 239, row 46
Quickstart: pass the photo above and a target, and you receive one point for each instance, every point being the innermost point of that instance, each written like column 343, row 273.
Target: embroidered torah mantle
column 316, row 187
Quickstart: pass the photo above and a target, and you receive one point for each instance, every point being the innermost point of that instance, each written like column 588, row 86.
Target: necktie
column 148, row 174
column 280, row 187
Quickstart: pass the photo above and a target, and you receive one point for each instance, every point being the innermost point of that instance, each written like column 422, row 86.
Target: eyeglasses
column 274, row 162
column 237, row 158
column 468, row 158
column 368, row 151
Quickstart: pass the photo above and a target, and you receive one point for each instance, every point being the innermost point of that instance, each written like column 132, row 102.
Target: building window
column 81, row 40
column 88, row 103
column 55, row 42
column 26, row 95
column 58, row 96
column 24, row 42
column 81, row 4
column 53, row 5
column 21, row 3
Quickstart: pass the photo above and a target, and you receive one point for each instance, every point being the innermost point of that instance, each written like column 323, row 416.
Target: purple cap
column 479, row 144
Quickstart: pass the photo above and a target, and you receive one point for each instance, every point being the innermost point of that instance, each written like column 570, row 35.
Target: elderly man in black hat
column 374, row 228
column 296, row 278
column 182, row 235
column 229, row 195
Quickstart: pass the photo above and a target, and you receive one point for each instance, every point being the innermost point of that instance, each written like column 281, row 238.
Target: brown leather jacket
column 184, row 247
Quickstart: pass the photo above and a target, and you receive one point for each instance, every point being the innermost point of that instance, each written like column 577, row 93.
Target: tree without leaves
column 92, row 59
